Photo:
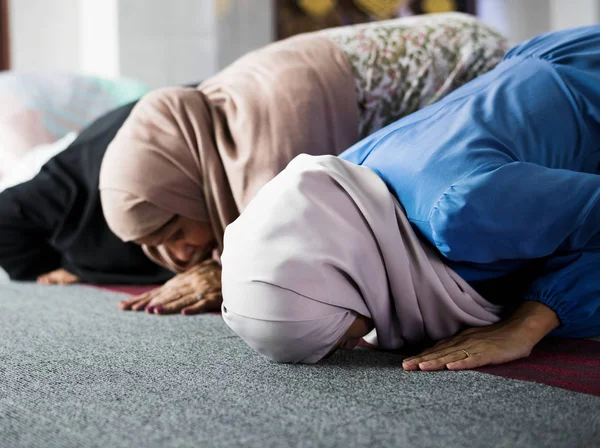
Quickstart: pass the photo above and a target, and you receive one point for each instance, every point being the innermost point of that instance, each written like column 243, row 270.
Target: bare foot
column 58, row 277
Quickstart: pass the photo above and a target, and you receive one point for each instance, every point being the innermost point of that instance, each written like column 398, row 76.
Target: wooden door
column 4, row 36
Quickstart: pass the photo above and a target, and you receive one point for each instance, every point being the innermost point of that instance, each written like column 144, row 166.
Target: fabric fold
column 327, row 238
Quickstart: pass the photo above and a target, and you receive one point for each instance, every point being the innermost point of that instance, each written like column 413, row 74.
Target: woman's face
column 184, row 238
column 361, row 327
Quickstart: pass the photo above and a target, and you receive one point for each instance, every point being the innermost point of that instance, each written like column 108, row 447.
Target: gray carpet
column 76, row 372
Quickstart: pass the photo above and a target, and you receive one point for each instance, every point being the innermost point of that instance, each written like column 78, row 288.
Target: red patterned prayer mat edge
column 572, row 364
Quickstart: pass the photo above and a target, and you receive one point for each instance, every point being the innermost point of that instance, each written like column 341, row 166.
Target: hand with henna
column 198, row 290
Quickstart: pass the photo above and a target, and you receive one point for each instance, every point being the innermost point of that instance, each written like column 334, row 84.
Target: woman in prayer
column 52, row 229
column 473, row 224
column 187, row 161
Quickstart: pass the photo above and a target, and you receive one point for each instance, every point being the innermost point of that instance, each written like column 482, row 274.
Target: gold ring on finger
column 466, row 353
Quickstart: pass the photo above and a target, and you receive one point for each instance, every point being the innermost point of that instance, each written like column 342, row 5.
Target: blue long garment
column 504, row 171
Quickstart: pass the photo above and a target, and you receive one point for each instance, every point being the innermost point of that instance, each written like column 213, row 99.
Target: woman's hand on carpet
column 195, row 291
column 505, row 341
column 58, row 277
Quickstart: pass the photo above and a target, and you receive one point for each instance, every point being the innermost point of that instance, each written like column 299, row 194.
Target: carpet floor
column 77, row 372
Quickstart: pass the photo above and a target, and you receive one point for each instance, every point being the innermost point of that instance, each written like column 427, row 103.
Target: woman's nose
column 181, row 251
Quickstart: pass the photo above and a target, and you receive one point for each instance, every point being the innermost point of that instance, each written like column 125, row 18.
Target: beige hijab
column 204, row 153
column 323, row 242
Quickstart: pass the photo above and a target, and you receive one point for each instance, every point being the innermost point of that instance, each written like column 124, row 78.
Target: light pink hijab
column 203, row 153
column 324, row 241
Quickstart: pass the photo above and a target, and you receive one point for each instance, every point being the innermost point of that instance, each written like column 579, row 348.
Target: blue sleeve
column 570, row 285
column 517, row 211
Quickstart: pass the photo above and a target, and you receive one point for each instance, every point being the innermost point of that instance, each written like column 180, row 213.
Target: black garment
column 55, row 220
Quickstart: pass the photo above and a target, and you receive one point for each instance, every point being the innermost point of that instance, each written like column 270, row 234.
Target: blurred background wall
column 156, row 41
column 164, row 42
column 521, row 19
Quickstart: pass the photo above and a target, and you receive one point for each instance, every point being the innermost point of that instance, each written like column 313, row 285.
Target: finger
column 185, row 275
column 205, row 287
column 415, row 362
column 175, row 281
column 211, row 262
column 440, row 363
column 435, row 349
column 189, row 275
column 145, row 295
column 169, row 296
column 169, row 292
column 464, row 337
column 205, row 266
column 206, row 305
column 470, row 362
column 175, row 306
column 205, row 280
column 126, row 304
column 449, row 343
column 140, row 305
column 206, row 269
